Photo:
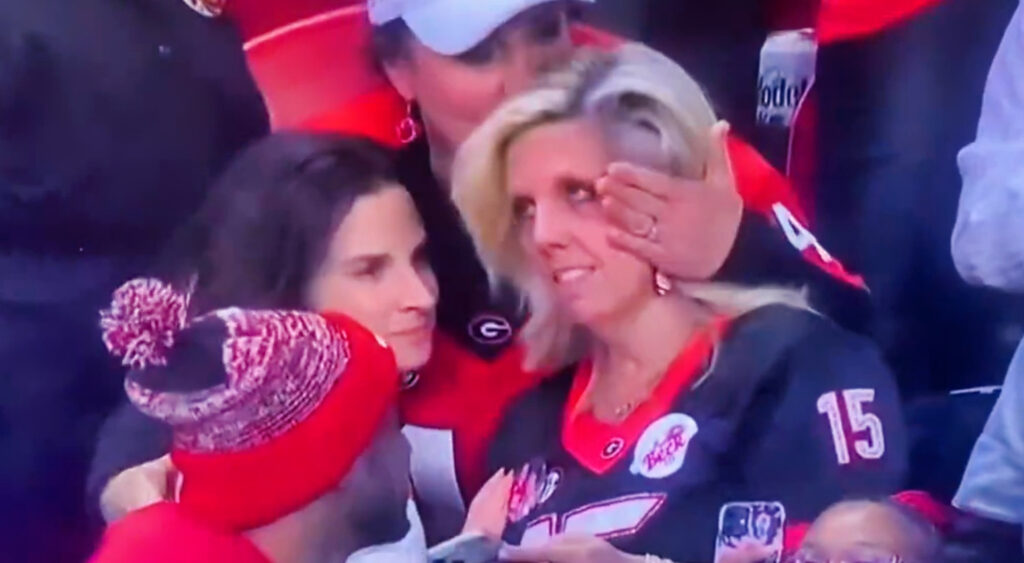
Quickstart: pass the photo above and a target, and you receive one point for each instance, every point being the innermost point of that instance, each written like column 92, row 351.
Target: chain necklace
column 624, row 409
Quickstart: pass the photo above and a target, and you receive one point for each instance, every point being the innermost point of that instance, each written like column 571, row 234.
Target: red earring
column 407, row 129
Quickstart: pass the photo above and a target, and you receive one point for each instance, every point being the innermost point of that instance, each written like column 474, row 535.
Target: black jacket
column 113, row 117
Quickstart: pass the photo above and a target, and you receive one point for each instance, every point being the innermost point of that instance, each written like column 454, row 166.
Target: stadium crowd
column 559, row 281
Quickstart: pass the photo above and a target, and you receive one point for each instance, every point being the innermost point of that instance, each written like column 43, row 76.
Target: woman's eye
column 370, row 269
column 581, row 193
column 371, row 273
column 523, row 209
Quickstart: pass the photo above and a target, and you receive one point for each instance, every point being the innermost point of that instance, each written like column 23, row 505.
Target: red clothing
column 165, row 533
column 840, row 20
column 460, row 396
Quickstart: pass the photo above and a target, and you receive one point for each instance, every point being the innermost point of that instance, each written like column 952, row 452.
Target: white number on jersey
column 797, row 234
column 852, row 401
column 622, row 516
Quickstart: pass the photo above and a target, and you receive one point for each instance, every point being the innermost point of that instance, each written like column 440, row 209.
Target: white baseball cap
column 451, row 27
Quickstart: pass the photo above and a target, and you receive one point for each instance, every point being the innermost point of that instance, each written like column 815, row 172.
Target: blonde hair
column 633, row 88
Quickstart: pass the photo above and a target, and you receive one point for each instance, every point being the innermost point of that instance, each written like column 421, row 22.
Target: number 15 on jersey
column 849, row 404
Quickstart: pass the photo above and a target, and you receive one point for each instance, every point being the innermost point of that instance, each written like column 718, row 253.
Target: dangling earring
column 662, row 284
column 407, row 129
column 410, row 379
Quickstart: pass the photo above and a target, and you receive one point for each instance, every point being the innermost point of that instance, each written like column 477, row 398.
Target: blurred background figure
column 871, row 531
column 113, row 118
column 988, row 248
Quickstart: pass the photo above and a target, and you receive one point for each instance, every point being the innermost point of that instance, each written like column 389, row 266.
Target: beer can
column 785, row 75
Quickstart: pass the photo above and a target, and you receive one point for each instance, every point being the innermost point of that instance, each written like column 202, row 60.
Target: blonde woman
column 696, row 416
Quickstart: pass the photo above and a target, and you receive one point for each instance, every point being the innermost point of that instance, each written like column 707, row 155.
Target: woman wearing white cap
column 454, row 62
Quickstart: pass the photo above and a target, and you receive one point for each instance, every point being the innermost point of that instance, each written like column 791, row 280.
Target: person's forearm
column 993, row 482
column 128, row 438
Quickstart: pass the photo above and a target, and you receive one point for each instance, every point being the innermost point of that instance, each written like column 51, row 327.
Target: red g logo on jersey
column 661, row 450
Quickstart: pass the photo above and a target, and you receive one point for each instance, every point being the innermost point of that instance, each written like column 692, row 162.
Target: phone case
column 763, row 522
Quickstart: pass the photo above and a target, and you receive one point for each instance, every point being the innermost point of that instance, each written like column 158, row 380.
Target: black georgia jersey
column 786, row 407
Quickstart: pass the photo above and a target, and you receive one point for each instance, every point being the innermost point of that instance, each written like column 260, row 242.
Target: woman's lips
column 420, row 331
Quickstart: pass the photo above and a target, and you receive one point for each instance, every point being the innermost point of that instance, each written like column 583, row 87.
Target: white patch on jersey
column 539, row 532
column 432, row 467
column 623, row 516
column 661, row 450
column 607, row 519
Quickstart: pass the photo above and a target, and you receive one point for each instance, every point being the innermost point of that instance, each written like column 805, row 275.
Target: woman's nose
column 550, row 227
column 419, row 291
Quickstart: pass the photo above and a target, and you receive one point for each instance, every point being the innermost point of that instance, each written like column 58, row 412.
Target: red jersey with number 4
column 778, row 406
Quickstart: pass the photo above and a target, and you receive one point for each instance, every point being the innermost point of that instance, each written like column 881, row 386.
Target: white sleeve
column 993, row 484
column 988, row 241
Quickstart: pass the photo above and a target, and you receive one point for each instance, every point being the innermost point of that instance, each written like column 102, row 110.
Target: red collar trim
column 599, row 446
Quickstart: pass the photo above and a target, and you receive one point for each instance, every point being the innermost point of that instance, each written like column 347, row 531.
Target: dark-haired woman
column 301, row 222
column 306, row 222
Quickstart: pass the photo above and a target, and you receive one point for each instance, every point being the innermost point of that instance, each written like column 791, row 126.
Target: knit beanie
column 269, row 409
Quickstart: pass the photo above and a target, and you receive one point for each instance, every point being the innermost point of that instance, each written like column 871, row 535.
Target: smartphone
column 465, row 548
column 761, row 522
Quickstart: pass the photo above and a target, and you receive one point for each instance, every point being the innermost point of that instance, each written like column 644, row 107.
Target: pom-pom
column 143, row 318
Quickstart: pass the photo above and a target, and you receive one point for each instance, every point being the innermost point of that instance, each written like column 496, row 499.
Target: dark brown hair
column 265, row 227
column 389, row 42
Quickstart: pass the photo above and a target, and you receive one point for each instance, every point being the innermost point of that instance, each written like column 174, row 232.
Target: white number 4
column 871, row 447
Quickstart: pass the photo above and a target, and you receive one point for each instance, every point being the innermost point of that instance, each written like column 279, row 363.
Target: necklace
column 624, row 409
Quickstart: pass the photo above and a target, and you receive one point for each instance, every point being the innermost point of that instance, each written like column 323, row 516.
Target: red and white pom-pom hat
column 270, row 409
